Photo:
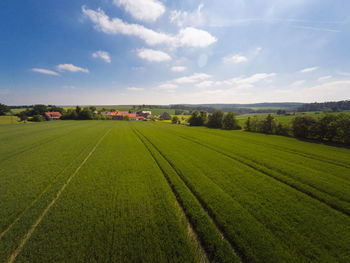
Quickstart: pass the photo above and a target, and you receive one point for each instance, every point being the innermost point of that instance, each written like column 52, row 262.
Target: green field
column 113, row 191
column 9, row 119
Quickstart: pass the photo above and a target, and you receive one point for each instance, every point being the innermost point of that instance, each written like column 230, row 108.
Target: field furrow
column 208, row 230
column 124, row 212
column 327, row 188
column 283, row 210
column 118, row 191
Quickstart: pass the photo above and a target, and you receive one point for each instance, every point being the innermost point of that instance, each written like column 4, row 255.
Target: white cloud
column 178, row 68
column 306, row 70
column 45, row 71
column 193, row 37
column 193, row 78
column 297, row 83
column 144, row 10
column 135, row 89
column 71, row 68
column 153, row 55
column 254, row 78
column 332, row 87
column 324, row 78
column 205, row 84
column 236, row 59
column 102, row 55
column 117, row 26
column 166, row 87
column 189, row 36
column 184, row 18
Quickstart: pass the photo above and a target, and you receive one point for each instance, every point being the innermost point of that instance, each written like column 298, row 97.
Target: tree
column 38, row 118
column 179, row 112
column 55, row 108
column 203, row 117
column 247, row 125
column 85, row 114
column 198, row 118
column 281, row 112
column 23, row 116
column 38, row 109
column 92, row 108
column 343, row 130
column 215, row 119
column 175, row 119
column 78, row 109
column 302, row 126
column 268, row 124
column 4, row 109
column 126, row 118
column 229, row 122
column 326, row 127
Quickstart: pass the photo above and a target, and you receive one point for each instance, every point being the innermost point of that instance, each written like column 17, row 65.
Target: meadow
column 118, row 191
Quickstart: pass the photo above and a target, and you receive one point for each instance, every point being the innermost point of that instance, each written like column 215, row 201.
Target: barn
column 54, row 115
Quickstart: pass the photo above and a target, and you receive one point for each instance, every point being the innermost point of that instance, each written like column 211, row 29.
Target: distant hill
column 266, row 107
column 331, row 106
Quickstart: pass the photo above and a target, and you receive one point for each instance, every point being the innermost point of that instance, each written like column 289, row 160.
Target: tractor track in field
column 35, row 145
column 281, row 148
column 54, row 180
column 178, row 202
column 210, row 215
column 27, row 236
column 308, row 193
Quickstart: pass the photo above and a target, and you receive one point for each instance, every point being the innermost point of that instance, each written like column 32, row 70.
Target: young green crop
column 249, row 197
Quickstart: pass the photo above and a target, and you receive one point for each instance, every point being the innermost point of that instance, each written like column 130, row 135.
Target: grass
column 158, row 192
column 9, row 119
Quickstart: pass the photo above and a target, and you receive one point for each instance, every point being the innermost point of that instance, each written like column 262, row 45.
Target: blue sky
column 160, row 51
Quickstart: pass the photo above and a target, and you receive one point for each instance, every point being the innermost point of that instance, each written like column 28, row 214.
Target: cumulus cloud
column 71, row 68
column 178, row 68
column 135, row 89
column 193, row 37
column 236, row 59
column 193, row 78
column 102, row 55
column 45, row 71
column 144, row 10
column 324, row 78
column 153, row 55
column 306, row 70
column 184, row 18
column 190, row 37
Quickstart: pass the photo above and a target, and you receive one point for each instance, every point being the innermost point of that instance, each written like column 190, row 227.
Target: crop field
column 9, row 119
column 115, row 191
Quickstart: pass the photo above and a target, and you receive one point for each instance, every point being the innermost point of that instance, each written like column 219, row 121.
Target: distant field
column 8, row 119
column 281, row 118
column 114, row 191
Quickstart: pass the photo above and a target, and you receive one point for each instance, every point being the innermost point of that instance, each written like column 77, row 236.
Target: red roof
column 53, row 114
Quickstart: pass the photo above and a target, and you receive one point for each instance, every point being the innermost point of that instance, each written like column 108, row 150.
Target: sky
column 127, row 52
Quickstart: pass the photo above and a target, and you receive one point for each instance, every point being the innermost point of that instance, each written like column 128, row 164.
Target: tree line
column 327, row 128
column 217, row 120
column 331, row 106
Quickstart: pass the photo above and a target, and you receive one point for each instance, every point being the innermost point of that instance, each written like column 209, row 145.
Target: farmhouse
column 54, row 115
column 165, row 116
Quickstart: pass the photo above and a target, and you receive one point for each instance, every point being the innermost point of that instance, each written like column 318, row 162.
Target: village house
column 165, row 116
column 54, row 115
column 120, row 115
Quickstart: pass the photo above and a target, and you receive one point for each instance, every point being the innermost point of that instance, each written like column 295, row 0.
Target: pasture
column 115, row 191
